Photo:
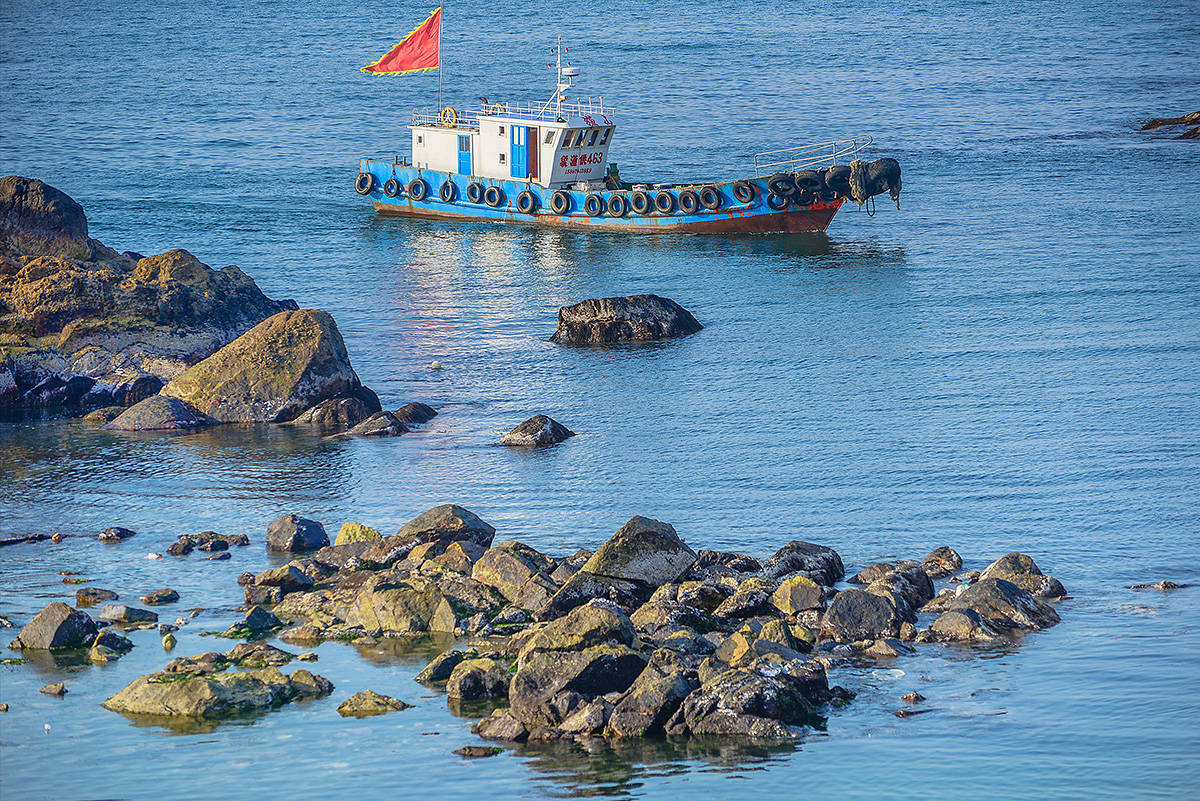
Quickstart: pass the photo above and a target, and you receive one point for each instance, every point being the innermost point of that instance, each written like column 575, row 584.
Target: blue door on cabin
column 464, row 155
column 519, row 158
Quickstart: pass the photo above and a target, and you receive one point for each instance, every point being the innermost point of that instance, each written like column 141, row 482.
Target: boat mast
column 441, row 24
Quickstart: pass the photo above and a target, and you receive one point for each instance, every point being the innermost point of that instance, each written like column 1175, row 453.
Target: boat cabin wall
column 438, row 148
column 580, row 154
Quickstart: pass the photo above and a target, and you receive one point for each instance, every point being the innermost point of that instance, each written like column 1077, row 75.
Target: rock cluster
column 81, row 324
column 1192, row 120
column 644, row 636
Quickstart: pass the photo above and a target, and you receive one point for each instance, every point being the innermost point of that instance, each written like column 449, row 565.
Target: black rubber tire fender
column 594, row 205
column 448, row 192
column 418, row 189
column 804, row 196
column 664, row 202
column 527, row 202
column 475, row 192
column 364, row 183
column 777, row 202
column 560, row 202
column 618, row 205
column 710, row 198
column 689, row 202
column 493, row 196
column 640, row 203
column 743, row 192
column 391, row 187
column 781, row 184
column 828, row 195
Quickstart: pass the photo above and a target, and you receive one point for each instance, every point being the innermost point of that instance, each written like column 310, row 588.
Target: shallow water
column 1010, row 361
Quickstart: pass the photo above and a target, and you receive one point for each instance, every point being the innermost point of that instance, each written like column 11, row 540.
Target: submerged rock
column 159, row 597
column 121, row 613
column 115, row 534
column 414, row 414
column 380, row 424
column 286, row 364
column 160, row 413
column 1001, row 605
column 215, row 695
column 1163, row 585
column 624, row 319
column 336, row 415
column 368, row 703
column 538, row 431
column 1022, row 571
column 55, row 627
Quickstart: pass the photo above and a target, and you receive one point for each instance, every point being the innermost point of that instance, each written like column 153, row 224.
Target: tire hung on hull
column 364, row 183
column 781, row 184
column 664, row 202
column 593, row 205
column 710, row 198
column 391, row 187
column 493, row 196
column 640, row 202
column 526, row 202
column 475, row 192
column 689, row 202
column 560, row 202
column 618, row 205
column 777, row 202
column 743, row 191
column 418, row 189
column 448, row 191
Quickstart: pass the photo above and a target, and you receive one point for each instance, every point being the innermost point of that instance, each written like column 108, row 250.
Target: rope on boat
column 859, row 182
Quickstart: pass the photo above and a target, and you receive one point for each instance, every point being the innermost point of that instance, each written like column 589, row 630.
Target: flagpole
column 441, row 24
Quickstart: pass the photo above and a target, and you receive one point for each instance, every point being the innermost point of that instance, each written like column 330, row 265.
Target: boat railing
column 807, row 157
column 469, row 120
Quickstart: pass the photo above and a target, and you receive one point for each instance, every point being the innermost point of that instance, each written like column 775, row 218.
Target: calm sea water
column 1010, row 361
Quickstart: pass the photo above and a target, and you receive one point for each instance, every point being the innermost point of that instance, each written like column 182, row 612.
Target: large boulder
column 761, row 703
column 820, row 563
column 57, row 626
column 442, row 525
column 585, row 626
column 284, row 365
column 476, row 679
column 582, row 587
column 538, row 431
column 159, row 413
column 855, row 615
column 519, row 572
column 1000, row 604
column 551, row 683
column 644, row 551
column 644, row 709
column 38, row 220
column 1023, row 571
column 628, row 319
column 356, row 532
column 797, row 594
column 402, row 609
column 294, row 533
column 215, row 695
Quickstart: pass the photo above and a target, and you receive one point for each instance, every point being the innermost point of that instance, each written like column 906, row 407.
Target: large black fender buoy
column 418, row 189
column 526, row 202
column 364, row 183
column 391, row 187
column 560, row 202
column 475, row 192
column 618, row 206
column 777, row 202
column 493, row 196
column 883, row 175
column 448, row 191
column 781, row 184
column 640, row 202
column 664, row 202
column 710, row 198
column 689, row 202
column 743, row 191
column 593, row 205
column 807, row 179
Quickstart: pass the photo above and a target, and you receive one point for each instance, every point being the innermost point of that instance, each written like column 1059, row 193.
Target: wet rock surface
column 538, row 431
column 58, row 626
column 637, row 318
column 369, row 703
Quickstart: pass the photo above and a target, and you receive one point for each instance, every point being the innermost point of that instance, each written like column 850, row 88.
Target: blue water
column 1010, row 361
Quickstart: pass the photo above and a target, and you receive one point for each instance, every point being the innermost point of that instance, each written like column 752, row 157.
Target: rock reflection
column 598, row 768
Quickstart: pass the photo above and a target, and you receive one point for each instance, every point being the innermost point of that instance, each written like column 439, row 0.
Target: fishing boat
column 548, row 164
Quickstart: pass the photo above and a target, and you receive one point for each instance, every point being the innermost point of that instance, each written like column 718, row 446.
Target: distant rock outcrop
column 81, row 324
column 637, row 318
column 1192, row 119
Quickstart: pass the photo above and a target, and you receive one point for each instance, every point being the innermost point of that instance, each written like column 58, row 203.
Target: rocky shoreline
column 643, row 637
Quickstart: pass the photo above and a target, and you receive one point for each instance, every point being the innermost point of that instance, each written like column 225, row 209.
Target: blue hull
column 731, row 216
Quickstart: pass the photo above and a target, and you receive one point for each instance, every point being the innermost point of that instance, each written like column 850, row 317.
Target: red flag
column 420, row 50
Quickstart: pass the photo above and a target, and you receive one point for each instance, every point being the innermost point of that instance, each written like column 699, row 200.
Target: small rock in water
column 219, row 557
column 538, row 431
column 120, row 613
column 54, row 689
column 3, row 707
column 368, row 703
column 415, row 413
column 5, row 623
column 1163, row 585
column 308, row 656
column 908, row 713
column 478, row 751
column 912, row 697
column 56, row 538
column 169, row 641
column 435, row 365
column 158, row 597
column 90, row 596
column 154, row 556
column 115, row 534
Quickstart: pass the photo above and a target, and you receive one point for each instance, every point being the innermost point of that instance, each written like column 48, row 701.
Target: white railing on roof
column 805, row 157
column 545, row 112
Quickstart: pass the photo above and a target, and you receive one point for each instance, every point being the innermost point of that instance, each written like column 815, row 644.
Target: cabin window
column 502, row 130
column 604, row 136
column 578, row 139
column 420, row 139
column 550, row 136
column 501, row 158
column 464, row 144
column 592, row 138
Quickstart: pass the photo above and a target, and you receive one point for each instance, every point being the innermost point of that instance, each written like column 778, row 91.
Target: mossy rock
column 356, row 532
